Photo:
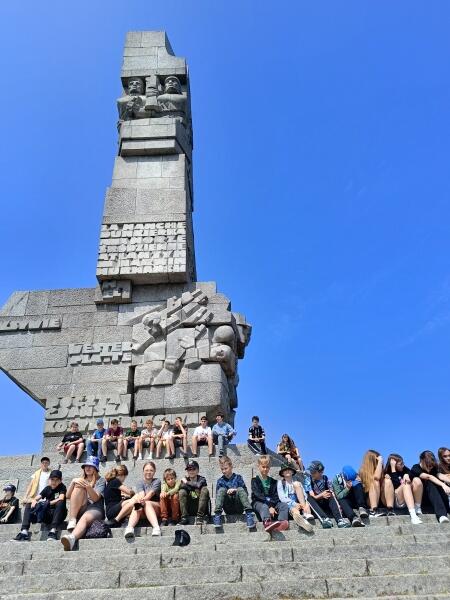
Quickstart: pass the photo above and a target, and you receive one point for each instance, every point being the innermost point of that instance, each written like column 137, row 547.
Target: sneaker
column 363, row 512
column 217, row 521
column 199, row 520
column 195, row 455
column 21, row 537
column 140, row 457
column 118, row 459
column 327, row 523
column 156, row 532
column 390, row 512
column 112, row 523
column 103, row 460
column 301, row 521
column 357, row 522
column 309, row 517
column 250, row 520
column 71, row 524
column 343, row 524
column 184, row 521
column 129, row 533
column 173, row 522
column 415, row 520
column 374, row 513
column 418, row 509
column 164, row 522
column 51, row 537
column 443, row 520
column 68, row 541
column 270, row 525
column 183, row 453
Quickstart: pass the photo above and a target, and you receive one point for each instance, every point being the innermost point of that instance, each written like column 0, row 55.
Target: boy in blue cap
column 94, row 444
column 350, row 494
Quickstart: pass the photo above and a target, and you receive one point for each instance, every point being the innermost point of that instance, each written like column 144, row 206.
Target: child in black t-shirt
column 256, row 437
column 9, row 504
column 401, row 488
column 117, row 496
column 52, row 508
column 72, row 443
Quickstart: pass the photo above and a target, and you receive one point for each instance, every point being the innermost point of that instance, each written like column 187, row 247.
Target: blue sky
column 322, row 145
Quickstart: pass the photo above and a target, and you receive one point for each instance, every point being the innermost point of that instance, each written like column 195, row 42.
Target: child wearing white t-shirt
column 202, row 436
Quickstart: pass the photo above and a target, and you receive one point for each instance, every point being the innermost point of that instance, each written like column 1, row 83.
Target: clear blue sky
column 322, row 187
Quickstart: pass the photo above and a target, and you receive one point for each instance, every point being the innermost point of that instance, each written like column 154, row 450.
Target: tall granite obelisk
column 149, row 339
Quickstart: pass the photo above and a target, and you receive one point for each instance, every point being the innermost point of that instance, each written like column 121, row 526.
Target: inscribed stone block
column 16, row 304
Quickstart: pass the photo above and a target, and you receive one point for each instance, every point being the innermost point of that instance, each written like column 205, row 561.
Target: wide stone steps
column 388, row 557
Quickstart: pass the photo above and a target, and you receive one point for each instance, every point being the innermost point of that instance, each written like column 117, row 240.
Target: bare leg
column 299, row 493
column 104, row 447
column 70, row 450
column 137, row 447
column 210, row 445
column 184, row 443
column 171, row 446
column 80, row 448
column 151, row 514
column 83, row 524
column 194, row 444
column 126, row 509
column 387, row 493
column 374, row 495
column 78, row 499
column 158, row 448
column 417, row 489
column 124, row 448
column 405, row 495
column 135, row 517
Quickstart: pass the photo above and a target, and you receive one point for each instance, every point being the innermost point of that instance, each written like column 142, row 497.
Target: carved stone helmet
column 135, row 85
column 172, row 85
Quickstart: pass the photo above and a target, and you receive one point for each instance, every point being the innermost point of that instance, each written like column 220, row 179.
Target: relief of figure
column 172, row 101
column 132, row 105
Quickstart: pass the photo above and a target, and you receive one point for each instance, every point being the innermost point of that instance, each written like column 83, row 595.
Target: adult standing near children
column 222, row 433
column 86, row 502
column 435, row 491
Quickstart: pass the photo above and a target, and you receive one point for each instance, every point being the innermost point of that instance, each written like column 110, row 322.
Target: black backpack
column 98, row 529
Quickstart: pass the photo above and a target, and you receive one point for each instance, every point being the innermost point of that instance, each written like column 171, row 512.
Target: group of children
column 154, row 439
column 350, row 498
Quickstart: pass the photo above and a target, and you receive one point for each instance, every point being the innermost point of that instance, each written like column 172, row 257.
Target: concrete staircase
column 388, row 558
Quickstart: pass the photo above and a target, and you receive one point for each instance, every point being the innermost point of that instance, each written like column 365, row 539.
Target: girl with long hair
column 444, row 465
column 401, row 488
column 435, row 491
column 86, row 502
column 146, row 501
column 118, row 497
column 287, row 449
column 371, row 475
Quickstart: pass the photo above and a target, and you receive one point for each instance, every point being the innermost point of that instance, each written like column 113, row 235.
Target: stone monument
column 149, row 339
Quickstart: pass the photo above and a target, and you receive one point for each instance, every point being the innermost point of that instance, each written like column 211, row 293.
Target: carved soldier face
column 172, row 85
column 135, row 87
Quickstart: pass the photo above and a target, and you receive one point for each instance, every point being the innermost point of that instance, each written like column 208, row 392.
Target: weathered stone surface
column 148, row 330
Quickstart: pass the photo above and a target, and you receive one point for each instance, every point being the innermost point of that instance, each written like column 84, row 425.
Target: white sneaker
column 150, row 456
column 309, row 517
column 418, row 509
column 68, row 541
column 71, row 524
column 301, row 521
column 156, row 532
column 415, row 520
column 140, row 457
column 129, row 533
column 443, row 520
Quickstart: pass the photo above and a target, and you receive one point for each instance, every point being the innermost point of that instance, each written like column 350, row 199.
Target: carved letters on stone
column 116, row 291
column 97, row 354
column 133, row 248
column 21, row 324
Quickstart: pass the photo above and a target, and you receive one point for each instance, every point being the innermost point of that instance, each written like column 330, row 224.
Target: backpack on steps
column 98, row 529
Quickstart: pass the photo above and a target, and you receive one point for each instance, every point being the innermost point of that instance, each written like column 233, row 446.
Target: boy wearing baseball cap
column 193, row 494
column 321, row 496
column 54, row 511
column 350, row 494
column 9, row 504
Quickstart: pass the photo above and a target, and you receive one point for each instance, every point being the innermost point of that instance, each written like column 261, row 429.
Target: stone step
column 259, row 559
column 235, row 582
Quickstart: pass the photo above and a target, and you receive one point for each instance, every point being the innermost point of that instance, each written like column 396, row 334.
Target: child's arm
column 339, row 491
column 257, row 492
column 282, row 494
column 175, row 489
